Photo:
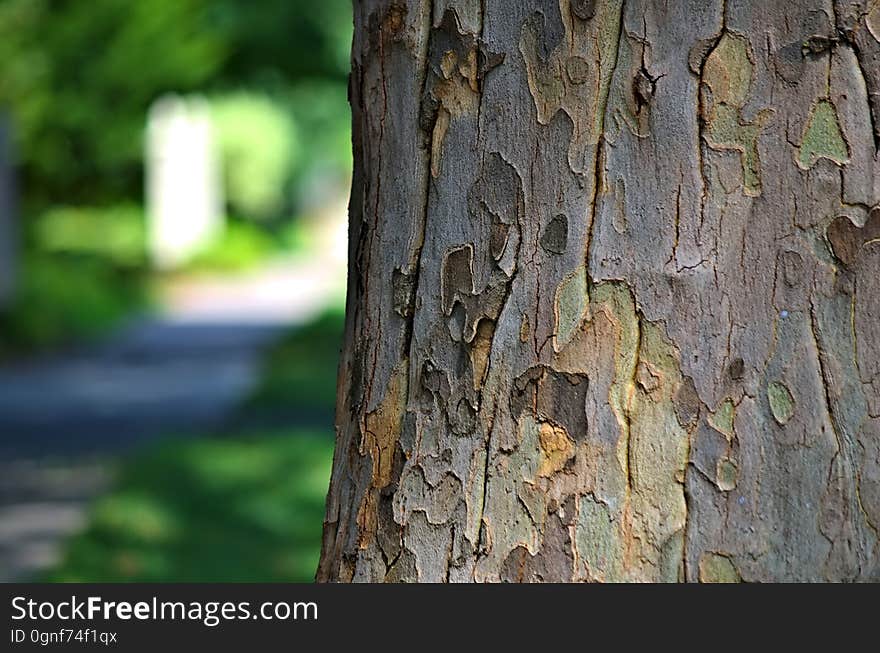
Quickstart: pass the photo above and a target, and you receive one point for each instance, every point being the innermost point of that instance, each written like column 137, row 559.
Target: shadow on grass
column 248, row 506
column 243, row 509
column 300, row 372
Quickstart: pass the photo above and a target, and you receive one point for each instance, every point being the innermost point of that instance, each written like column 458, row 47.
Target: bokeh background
column 173, row 185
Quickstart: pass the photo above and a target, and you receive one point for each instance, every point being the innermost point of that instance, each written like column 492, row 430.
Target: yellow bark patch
column 556, row 448
column 480, row 350
column 382, row 427
column 524, row 328
column 367, row 518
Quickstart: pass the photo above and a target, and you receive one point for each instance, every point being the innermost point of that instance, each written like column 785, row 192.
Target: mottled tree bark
column 614, row 296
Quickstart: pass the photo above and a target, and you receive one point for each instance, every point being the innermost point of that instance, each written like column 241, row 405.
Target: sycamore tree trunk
column 614, row 296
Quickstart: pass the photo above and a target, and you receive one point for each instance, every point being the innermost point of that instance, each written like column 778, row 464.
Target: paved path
column 63, row 419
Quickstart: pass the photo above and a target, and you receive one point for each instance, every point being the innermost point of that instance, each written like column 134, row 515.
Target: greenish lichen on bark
column 823, row 138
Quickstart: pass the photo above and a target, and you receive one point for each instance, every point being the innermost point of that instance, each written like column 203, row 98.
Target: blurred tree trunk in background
column 613, row 297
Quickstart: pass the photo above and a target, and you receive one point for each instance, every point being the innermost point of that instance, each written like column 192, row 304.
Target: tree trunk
column 613, row 293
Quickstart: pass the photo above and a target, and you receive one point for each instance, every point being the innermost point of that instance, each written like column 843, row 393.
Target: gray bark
column 613, row 293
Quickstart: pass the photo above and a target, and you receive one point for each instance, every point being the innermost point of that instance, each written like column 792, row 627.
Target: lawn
column 300, row 372
column 245, row 506
column 248, row 508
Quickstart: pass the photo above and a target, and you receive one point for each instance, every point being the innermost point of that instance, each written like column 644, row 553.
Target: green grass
column 300, row 372
column 245, row 507
column 248, row 508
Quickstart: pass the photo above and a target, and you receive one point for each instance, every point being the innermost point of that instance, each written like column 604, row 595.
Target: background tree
column 613, row 293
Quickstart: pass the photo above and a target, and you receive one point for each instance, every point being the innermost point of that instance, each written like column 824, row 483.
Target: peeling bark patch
column 781, row 402
column 555, row 237
column 403, row 570
column 496, row 200
column 553, row 397
column 729, row 69
column 434, row 384
column 570, row 306
column 643, row 89
column 460, row 298
column 525, row 329
column 631, row 96
column 553, row 563
column 383, row 426
column 872, row 21
column 480, row 350
column 823, row 138
column 708, row 449
column 847, row 239
column 556, row 448
column 722, row 419
column 574, row 74
column 726, row 82
column 598, row 541
column 457, row 64
column 578, row 70
column 403, row 291
column 583, row 9
column 792, row 268
column 438, row 135
column 395, row 19
column 718, row 568
column 457, row 276
column 462, row 418
column 437, row 501
column 736, row 369
column 687, row 403
column 726, row 474
column 790, row 63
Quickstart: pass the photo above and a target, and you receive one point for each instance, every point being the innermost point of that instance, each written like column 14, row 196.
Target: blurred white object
column 8, row 217
column 184, row 192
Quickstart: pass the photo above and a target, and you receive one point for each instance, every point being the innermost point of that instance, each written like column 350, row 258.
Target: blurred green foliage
column 115, row 234
column 320, row 109
column 258, row 145
column 83, row 273
column 241, row 246
column 64, row 298
column 80, row 76
column 78, row 79
column 245, row 508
